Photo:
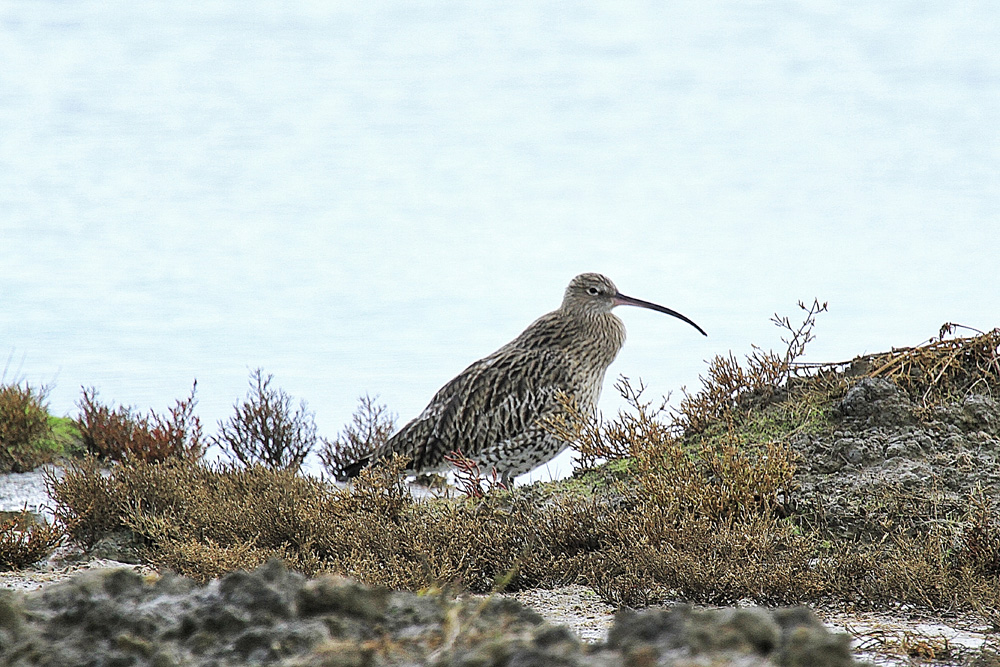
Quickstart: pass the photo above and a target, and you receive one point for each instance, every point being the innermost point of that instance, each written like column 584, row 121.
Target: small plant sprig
column 800, row 335
column 265, row 430
column 471, row 479
column 729, row 382
column 597, row 441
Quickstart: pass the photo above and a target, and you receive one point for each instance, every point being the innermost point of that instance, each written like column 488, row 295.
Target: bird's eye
column 593, row 291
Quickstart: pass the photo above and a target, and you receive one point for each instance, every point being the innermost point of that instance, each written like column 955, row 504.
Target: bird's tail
column 351, row 470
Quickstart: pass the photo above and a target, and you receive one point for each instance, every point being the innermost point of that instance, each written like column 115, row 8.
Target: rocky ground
column 882, row 439
column 103, row 612
column 274, row 616
column 76, row 607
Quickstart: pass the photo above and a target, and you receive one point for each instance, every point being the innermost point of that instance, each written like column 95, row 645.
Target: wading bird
column 498, row 412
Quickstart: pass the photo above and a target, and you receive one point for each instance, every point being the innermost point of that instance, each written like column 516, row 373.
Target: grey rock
column 790, row 636
column 875, row 401
column 273, row 616
column 981, row 413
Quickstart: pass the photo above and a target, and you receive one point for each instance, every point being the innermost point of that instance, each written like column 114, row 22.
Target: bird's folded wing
column 492, row 401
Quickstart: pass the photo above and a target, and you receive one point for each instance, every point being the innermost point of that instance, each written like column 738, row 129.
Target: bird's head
column 590, row 293
column 593, row 294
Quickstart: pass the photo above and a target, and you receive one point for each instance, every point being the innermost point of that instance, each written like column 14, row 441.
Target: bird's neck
column 591, row 339
column 604, row 338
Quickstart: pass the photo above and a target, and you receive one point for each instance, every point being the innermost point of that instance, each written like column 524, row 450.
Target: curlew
column 495, row 411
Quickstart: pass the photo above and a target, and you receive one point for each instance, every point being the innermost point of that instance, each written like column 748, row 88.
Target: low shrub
column 704, row 506
column 24, row 428
column 23, row 541
column 371, row 425
column 731, row 388
column 265, row 430
column 705, row 527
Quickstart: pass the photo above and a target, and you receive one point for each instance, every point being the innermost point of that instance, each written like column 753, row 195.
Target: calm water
column 365, row 197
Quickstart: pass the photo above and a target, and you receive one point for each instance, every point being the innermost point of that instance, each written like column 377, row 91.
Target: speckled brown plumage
column 494, row 412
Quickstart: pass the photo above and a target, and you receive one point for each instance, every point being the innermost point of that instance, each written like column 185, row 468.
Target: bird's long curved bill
column 622, row 300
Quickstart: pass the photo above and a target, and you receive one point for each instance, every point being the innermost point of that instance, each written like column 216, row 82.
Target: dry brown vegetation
column 704, row 525
column 942, row 369
column 23, row 423
column 265, row 430
column 116, row 434
column 23, row 541
column 702, row 503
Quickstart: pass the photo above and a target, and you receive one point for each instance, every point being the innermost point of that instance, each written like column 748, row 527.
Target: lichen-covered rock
column 272, row 616
column 875, row 401
column 678, row 636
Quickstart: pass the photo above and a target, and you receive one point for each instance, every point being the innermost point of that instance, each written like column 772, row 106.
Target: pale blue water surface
column 365, row 197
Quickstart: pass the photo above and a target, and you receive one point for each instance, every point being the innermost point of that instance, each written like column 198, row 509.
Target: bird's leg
column 506, row 480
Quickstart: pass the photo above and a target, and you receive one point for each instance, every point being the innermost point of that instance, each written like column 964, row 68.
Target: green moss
column 64, row 439
column 587, row 482
column 804, row 414
column 807, row 411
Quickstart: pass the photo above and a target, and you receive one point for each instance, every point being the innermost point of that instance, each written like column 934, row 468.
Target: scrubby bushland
column 116, row 434
column 706, row 524
column 265, row 430
column 206, row 520
column 371, row 425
